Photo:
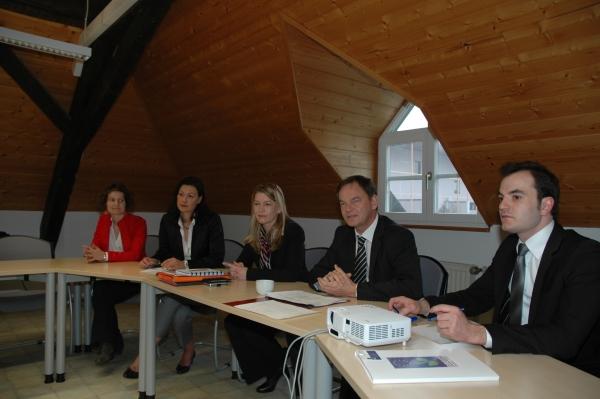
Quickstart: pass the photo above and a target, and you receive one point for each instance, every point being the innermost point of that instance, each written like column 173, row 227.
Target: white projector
column 367, row 325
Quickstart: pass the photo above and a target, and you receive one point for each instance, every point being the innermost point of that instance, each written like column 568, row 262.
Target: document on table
column 423, row 365
column 305, row 298
column 275, row 310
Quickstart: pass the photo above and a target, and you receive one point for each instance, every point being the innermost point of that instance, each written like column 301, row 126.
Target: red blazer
column 133, row 236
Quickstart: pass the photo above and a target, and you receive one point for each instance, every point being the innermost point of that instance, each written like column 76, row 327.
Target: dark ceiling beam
column 103, row 79
column 33, row 88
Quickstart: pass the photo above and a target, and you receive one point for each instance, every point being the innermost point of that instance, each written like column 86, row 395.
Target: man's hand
column 406, row 306
column 452, row 323
column 338, row 283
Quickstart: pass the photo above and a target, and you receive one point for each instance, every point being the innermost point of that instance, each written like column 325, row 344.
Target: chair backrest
column 233, row 249
column 151, row 244
column 433, row 275
column 313, row 255
column 24, row 247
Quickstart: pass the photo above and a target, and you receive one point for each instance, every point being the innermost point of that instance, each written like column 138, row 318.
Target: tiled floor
column 22, row 366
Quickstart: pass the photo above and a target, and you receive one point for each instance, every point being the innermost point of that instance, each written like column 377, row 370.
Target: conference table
column 522, row 375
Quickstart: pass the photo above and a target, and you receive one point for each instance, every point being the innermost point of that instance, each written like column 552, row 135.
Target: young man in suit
column 371, row 257
column 543, row 283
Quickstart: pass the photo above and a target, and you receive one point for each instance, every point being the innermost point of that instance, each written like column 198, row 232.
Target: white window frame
column 428, row 217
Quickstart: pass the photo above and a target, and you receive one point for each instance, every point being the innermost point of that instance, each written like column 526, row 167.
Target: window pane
column 405, row 196
column 406, row 159
column 452, row 197
column 444, row 166
column 414, row 120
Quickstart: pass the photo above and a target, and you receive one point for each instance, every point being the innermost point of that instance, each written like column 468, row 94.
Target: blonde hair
column 275, row 235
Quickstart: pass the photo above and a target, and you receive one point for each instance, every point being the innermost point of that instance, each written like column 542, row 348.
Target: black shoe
column 107, row 353
column 131, row 374
column 184, row 369
column 269, row 385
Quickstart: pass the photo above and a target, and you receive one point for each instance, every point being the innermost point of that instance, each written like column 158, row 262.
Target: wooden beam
column 100, row 85
column 33, row 88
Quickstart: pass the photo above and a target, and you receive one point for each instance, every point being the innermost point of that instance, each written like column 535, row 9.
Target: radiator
column 461, row 275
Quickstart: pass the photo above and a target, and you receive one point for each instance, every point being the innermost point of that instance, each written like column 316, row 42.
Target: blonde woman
column 274, row 250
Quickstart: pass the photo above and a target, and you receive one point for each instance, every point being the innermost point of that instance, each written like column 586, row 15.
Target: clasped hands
column 451, row 321
column 92, row 253
column 338, row 283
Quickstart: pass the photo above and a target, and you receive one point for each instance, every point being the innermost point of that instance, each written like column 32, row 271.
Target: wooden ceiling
column 240, row 92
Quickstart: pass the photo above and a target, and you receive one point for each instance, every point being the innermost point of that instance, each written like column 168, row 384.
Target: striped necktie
column 515, row 300
column 360, row 261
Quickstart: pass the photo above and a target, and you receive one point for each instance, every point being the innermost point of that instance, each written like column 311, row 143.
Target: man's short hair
column 546, row 182
column 364, row 182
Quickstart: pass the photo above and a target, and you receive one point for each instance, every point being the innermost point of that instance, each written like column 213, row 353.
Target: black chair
column 433, row 275
column 313, row 255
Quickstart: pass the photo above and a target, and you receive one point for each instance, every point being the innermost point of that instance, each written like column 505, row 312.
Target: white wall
column 476, row 248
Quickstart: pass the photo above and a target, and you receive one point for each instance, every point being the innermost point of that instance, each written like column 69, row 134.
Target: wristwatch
column 105, row 257
column 185, row 263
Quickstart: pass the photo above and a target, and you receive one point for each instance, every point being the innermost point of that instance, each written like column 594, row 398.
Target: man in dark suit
column 543, row 283
column 371, row 257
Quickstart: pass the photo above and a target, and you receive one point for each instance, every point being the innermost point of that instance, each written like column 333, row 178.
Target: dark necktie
column 360, row 261
column 516, row 287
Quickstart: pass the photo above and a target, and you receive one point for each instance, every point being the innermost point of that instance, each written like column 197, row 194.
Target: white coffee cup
column 263, row 287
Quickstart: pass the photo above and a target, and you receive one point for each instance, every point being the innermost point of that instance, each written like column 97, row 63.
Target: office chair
column 313, row 255
column 433, row 275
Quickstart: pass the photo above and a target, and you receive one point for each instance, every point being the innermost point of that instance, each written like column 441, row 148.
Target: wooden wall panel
column 226, row 92
column 342, row 110
column 498, row 80
column 219, row 85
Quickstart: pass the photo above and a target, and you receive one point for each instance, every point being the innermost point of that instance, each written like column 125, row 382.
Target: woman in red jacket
column 120, row 236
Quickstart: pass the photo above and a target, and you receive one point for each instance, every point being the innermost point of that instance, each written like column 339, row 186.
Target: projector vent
column 397, row 332
column 378, row 332
column 357, row 330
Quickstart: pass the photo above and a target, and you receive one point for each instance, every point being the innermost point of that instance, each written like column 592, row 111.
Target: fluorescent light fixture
column 44, row 44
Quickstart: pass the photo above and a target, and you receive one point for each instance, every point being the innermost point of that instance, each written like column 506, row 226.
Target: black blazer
column 394, row 264
column 564, row 317
column 208, row 247
column 287, row 261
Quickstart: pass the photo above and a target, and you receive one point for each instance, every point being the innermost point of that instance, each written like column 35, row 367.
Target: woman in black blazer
column 274, row 250
column 190, row 235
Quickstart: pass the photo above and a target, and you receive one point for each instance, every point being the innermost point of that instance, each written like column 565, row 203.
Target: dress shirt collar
column 370, row 231
column 537, row 243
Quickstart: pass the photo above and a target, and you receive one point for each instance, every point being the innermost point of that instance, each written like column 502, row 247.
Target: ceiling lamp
column 39, row 43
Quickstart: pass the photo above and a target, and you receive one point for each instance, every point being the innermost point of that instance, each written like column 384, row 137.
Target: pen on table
column 412, row 318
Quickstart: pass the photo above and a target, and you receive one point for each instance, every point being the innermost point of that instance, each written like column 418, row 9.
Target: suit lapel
column 552, row 246
column 375, row 247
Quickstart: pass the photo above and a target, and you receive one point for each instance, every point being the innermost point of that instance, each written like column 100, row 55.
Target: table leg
column 324, row 376
column 142, row 344
column 61, row 306
column 87, row 308
column 76, row 322
column 49, row 328
column 309, row 370
column 147, row 372
column 150, row 342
